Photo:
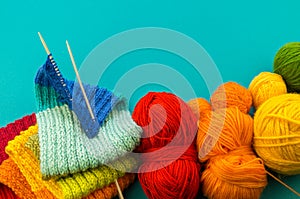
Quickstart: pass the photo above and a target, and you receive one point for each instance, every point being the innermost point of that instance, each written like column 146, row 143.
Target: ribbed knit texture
column 17, row 152
column 13, row 129
column 109, row 191
column 101, row 99
column 8, row 133
column 64, row 147
column 73, row 186
column 11, row 176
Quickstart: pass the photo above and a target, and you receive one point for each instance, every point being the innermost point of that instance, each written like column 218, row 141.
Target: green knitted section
column 64, row 147
column 46, row 97
column 33, row 145
column 81, row 184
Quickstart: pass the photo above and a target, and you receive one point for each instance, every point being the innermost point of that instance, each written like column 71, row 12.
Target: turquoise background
column 242, row 37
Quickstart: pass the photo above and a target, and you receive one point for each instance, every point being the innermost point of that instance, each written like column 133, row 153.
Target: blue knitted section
column 44, row 92
column 69, row 92
column 41, row 79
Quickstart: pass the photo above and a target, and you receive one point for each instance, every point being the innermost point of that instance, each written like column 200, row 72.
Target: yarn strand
column 284, row 118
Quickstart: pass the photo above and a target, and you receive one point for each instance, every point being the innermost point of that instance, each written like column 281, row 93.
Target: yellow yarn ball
column 266, row 85
column 277, row 133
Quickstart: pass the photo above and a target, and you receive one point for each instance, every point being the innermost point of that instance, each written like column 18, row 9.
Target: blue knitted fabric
column 101, row 99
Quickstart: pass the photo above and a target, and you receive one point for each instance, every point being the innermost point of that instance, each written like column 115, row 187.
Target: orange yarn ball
column 224, row 142
column 231, row 94
column 222, row 131
column 238, row 174
column 199, row 106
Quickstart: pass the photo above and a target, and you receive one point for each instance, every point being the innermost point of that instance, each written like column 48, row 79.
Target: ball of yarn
column 199, row 106
column 287, row 64
column 231, row 94
column 222, row 131
column 224, row 142
column 238, row 174
column 277, row 133
column 266, row 85
column 163, row 117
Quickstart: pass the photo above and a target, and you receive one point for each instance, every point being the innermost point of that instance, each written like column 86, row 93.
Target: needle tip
column 44, row 43
column 40, row 35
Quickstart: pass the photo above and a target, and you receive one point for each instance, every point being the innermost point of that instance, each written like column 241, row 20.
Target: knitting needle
column 285, row 185
column 119, row 190
column 88, row 104
column 44, row 43
column 79, row 81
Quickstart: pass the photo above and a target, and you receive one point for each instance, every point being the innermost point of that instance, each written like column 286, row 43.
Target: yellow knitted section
column 29, row 166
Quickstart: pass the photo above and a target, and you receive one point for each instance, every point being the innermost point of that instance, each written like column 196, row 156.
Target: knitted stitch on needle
column 64, row 148
column 23, row 150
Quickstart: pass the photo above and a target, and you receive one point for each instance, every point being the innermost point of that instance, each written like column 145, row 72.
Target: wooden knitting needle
column 119, row 189
column 88, row 104
column 44, row 44
column 79, row 81
column 282, row 183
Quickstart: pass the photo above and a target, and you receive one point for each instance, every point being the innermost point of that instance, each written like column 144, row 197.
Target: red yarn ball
column 170, row 129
